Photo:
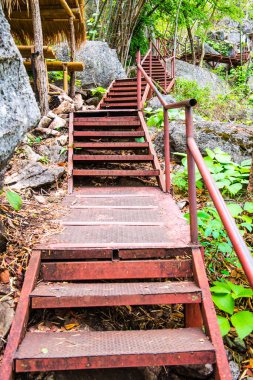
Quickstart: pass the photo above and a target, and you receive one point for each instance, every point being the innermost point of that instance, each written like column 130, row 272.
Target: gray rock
column 237, row 140
column 44, row 122
column 154, row 103
column 210, row 50
column 53, row 152
column 30, row 154
column 93, row 101
column 78, row 102
column 64, row 107
column 235, row 370
column 63, row 140
column 7, row 315
column 19, row 111
column 57, row 123
column 102, row 65
column 33, row 175
column 194, row 371
column 203, row 77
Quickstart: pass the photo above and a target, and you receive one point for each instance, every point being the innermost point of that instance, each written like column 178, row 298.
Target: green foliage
column 230, row 178
column 98, row 91
column 156, row 118
column 224, row 295
column 186, row 89
column 56, row 76
column 14, row 200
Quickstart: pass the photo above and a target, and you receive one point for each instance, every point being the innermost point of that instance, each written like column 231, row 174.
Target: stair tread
column 45, row 289
column 111, row 145
column 116, row 173
column 109, row 134
column 113, row 157
column 90, row 344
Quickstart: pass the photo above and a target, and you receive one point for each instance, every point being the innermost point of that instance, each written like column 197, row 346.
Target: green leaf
column 235, row 188
column 223, row 324
column 246, row 162
column 220, row 289
column 239, row 291
column 234, row 209
column 14, row 200
column 248, row 207
column 224, row 302
column 243, row 323
column 224, row 247
column 223, row 158
column 210, row 153
column 223, row 183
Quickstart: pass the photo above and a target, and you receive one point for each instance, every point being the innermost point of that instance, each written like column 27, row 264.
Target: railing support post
column 191, row 179
column 150, row 59
column 166, row 150
column 138, row 60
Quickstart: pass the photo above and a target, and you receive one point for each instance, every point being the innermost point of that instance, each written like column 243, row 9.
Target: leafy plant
column 230, row 178
column 156, row 118
column 98, row 91
column 14, row 200
column 224, row 295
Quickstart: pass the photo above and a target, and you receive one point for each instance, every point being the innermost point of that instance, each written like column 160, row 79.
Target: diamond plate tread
column 116, row 201
column 113, row 289
column 43, row 345
column 113, row 216
column 122, row 234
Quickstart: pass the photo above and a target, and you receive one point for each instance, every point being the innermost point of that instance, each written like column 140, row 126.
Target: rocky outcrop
column 203, row 77
column 236, row 140
column 18, row 108
column 101, row 64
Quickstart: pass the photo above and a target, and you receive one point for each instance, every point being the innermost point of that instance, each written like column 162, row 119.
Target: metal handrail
column 194, row 156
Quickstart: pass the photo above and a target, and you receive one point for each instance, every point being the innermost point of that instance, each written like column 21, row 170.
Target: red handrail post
column 138, row 60
column 150, row 59
column 191, row 179
column 166, row 149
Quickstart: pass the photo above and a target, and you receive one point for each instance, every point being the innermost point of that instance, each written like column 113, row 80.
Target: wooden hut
column 45, row 22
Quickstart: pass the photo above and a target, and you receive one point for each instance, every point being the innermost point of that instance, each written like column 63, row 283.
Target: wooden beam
column 72, row 58
column 67, row 8
column 43, row 19
column 40, row 79
column 59, row 66
column 65, row 78
column 56, row 12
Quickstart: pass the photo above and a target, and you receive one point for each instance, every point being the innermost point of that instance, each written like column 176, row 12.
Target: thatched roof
column 55, row 16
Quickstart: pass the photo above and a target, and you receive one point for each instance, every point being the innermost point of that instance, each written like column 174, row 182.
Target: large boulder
column 101, row 64
column 18, row 108
column 237, row 140
column 203, row 77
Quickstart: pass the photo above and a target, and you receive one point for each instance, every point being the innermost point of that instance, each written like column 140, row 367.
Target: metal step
column 113, row 158
column 47, row 351
column 61, row 295
column 119, row 99
column 109, row 134
column 112, row 145
column 116, row 270
column 115, row 173
column 121, row 105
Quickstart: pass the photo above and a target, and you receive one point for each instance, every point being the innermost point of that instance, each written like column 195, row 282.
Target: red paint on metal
column 74, row 271
column 116, row 173
column 21, row 317
column 99, row 157
column 109, row 349
column 48, row 295
column 112, row 145
column 210, row 318
column 109, row 134
column 70, row 154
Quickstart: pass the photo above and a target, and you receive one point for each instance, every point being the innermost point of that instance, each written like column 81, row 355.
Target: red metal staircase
column 120, row 246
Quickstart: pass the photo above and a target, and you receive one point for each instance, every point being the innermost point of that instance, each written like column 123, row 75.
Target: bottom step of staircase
column 116, row 173
column 46, row 351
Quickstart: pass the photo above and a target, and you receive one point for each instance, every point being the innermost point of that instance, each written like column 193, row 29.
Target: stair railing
column 194, row 157
column 154, row 50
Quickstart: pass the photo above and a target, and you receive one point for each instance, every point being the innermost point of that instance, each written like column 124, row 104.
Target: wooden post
column 65, row 78
column 40, row 80
column 72, row 57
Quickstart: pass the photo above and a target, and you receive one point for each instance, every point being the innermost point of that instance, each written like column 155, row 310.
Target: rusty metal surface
column 109, row 270
column 143, row 205
column 19, row 323
column 59, row 295
column 106, row 343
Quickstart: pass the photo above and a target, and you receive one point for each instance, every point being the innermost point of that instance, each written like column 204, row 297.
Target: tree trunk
column 72, row 58
column 250, row 185
column 40, row 80
column 189, row 31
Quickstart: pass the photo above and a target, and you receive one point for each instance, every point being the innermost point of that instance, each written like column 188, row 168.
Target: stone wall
column 18, row 108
